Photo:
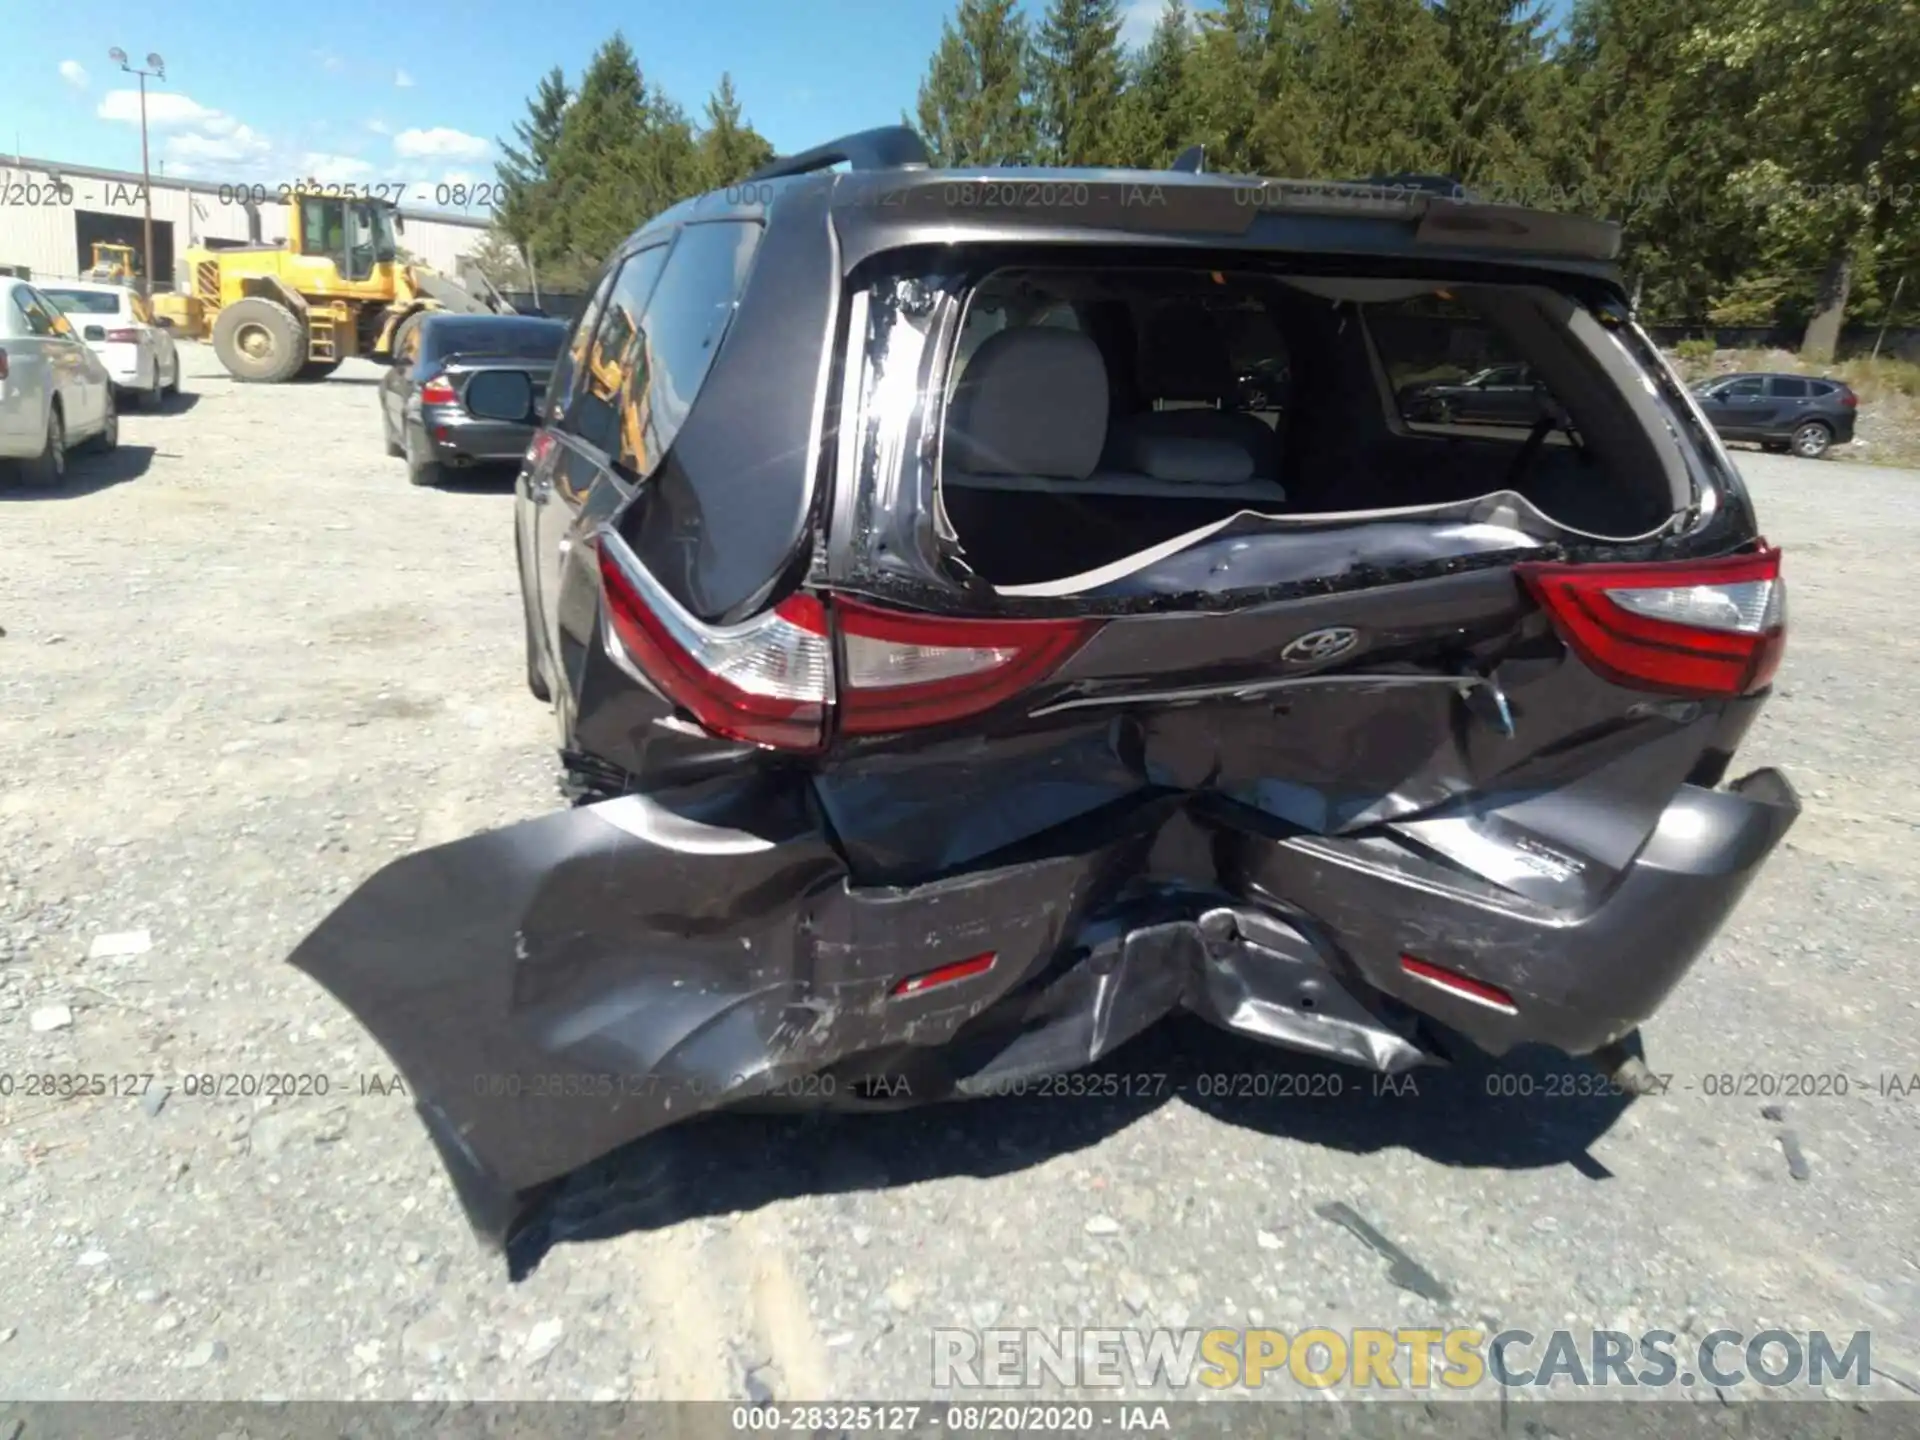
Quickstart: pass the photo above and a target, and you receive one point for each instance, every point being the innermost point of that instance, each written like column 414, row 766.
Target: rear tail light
column 3, row 364
column 1705, row 628
column 438, row 391
column 771, row 680
column 1849, row 400
column 767, row 681
column 123, row 337
column 904, row 671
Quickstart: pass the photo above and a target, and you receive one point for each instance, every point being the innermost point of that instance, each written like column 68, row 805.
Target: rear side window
column 1824, row 387
column 34, row 314
column 1788, row 389
column 604, row 351
column 573, row 352
column 684, row 326
column 1448, row 365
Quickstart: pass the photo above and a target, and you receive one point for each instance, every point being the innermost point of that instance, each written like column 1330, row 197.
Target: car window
column 1437, row 351
column 1785, row 388
column 1824, row 387
column 603, row 352
column 573, row 351
column 686, row 323
column 1743, row 387
column 41, row 319
column 83, row 302
column 503, row 335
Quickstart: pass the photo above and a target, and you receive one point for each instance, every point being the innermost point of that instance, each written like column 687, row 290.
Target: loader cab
column 358, row 236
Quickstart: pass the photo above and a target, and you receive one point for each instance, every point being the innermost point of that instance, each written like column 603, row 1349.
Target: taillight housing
column 438, row 391
column 123, row 337
column 1707, row 628
column 904, row 671
column 3, row 363
column 774, row 680
column 1849, row 400
column 767, row 681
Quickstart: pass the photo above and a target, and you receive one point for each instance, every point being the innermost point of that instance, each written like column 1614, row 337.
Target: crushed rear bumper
column 558, row 988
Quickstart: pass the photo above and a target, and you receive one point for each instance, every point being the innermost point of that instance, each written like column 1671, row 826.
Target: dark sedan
column 1800, row 413
column 424, row 397
column 1497, row 395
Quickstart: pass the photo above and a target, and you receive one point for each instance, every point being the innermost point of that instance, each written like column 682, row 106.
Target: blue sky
column 274, row 93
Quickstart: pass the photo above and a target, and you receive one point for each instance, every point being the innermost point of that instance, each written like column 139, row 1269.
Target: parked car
column 1801, row 413
column 54, row 392
column 133, row 343
column 1498, row 394
column 955, row 682
column 425, row 397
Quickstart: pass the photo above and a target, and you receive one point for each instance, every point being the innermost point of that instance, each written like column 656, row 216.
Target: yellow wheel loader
column 337, row 288
column 114, row 264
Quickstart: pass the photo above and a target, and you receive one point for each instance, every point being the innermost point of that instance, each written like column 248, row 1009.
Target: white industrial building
column 52, row 214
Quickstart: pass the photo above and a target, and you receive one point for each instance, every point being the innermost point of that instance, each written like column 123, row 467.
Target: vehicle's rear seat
column 1184, row 359
column 1022, row 479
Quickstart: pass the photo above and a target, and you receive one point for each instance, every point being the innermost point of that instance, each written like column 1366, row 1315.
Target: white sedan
column 119, row 325
column 54, row 392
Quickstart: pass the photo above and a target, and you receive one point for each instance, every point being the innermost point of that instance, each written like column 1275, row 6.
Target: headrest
column 1184, row 354
column 1032, row 401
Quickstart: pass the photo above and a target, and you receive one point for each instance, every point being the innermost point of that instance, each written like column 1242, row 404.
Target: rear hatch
column 1110, row 686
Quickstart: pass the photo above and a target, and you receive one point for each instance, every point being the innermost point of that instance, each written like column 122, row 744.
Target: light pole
column 158, row 72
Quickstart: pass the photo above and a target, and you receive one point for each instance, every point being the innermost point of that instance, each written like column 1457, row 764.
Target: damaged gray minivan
column 988, row 611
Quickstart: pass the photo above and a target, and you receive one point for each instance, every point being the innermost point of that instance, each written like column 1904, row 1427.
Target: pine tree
column 1078, row 67
column 1494, row 52
column 1155, row 113
column 729, row 148
column 524, row 172
column 975, row 103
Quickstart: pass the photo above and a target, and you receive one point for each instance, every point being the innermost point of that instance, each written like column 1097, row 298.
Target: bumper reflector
column 1478, row 991
column 947, row 974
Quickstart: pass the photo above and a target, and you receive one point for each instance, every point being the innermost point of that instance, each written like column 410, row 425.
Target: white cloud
column 74, row 73
column 379, row 127
column 1137, row 19
column 166, row 109
column 402, row 80
column 320, row 165
column 240, row 148
column 440, row 143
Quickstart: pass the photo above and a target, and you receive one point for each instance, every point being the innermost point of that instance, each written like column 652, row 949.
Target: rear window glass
column 526, row 338
column 84, row 302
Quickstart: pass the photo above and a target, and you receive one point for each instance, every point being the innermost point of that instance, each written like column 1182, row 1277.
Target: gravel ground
column 244, row 664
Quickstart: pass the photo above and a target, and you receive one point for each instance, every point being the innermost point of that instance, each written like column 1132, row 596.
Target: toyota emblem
column 1316, row 647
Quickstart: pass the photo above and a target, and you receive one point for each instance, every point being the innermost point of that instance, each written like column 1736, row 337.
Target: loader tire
column 260, row 341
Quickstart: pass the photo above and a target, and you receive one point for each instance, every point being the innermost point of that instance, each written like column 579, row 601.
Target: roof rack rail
column 891, row 147
column 1191, row 161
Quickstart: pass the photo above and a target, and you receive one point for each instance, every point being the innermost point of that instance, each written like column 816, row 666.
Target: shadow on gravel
column 178, row 403
column 1528, row 1111
column 481, row 479
column 86, row 474
column 340, row 380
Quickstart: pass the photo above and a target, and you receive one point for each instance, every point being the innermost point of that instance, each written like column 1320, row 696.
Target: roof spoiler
column 891, row 147
column 1191, row 161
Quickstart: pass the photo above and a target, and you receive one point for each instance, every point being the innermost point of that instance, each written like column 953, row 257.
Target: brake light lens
column 767, row 681
column 3, row 364
column 1711, row 628
column 904, row 671
column 946, row 975
column 438, row 391
column 123, row 337
column 772, row 680
column 1848, row 399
